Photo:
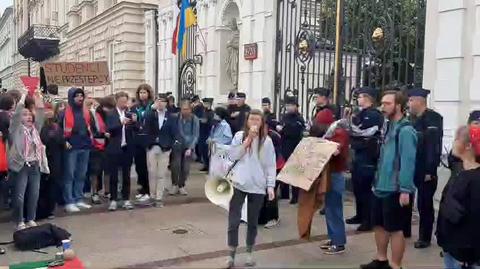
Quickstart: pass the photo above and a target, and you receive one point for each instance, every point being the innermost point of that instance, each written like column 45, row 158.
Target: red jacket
column 339, row 163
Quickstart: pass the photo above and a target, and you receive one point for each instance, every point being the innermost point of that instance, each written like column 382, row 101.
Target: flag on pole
column 186, row 18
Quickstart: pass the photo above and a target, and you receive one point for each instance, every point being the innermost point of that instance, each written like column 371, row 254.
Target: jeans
column 123, row 162
column 27, row 185
column 451, row 263
column 334, row 210
column 254, row 204
column 157, row 171
column 180, row 167
column 76, row 168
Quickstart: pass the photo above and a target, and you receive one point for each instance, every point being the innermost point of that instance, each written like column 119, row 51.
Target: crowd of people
column 58, row 152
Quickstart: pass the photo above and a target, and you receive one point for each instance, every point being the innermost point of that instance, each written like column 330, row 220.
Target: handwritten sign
column 77, row 73
column 250, row 51
column 307, row 162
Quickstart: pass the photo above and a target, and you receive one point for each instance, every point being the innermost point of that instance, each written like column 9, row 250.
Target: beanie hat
column 325, row 117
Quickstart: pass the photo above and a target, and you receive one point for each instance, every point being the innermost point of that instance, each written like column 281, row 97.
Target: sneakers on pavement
column 334, row 250
column 83, row 205
column 174, row 190
column 71, row 208
column 376, row 264
column 96, row 199
column 32, row 224
column 271, row 224
column 21, row 226
column 249, row 261
column 326, row 244
column 112, row 206
column 183, row 191
column 144, row 198
column 128, row 205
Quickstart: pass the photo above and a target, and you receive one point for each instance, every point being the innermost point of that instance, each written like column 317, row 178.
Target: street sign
column 250, row 51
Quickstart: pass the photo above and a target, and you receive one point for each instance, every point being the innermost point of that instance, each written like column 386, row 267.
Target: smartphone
column 128, row 115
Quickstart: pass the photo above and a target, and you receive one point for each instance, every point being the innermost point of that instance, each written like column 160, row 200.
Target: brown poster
column 307, row 162
column 77, row 73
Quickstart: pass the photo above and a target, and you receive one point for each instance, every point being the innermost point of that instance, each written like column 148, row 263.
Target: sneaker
column 71, row 208
column 326, row 244
column 128, row 205
column 354, row 220
column 376, row 264
column 96, row 199
column 112, row 206
column 173, row 190
column 138, row 196
column 249, row 261
column 230, row 263
column 83, row 205
column 334, row 250
column 50, row 217
column 271, row 224
column 32, row 224
column 182, row 191
column 144, row 198
column 21, row 226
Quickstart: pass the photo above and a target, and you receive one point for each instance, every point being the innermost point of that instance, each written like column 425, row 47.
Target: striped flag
column 186, row 18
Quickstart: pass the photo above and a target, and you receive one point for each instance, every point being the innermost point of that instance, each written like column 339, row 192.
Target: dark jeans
column 140, row 156
column 49, row 191
column 254, row 204
column 426, row 191
column 203, row 153
column 362, row 179
column 27, row 187
column 76, row 168
column 120, row 162
column 180, row 167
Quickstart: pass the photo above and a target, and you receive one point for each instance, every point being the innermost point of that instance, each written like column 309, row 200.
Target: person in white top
column 253, row 177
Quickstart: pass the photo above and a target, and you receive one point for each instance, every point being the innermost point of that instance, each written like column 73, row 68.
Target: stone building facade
column 7, row 48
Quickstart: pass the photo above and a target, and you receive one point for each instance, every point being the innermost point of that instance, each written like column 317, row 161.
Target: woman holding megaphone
column 253, row 177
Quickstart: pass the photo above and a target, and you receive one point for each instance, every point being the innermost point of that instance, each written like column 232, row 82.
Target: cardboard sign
column 77, row 73
column 250, row 51
column 307, row 162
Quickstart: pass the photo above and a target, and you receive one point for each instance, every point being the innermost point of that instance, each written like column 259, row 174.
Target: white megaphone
column 219, row 191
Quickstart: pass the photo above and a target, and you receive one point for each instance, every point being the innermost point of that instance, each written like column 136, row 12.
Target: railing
column 39, row 31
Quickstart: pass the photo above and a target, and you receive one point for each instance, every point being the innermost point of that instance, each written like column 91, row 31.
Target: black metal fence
column 382, row 45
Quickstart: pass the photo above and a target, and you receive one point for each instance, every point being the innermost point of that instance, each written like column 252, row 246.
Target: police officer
column 365, row 136
column 269, row 115
column 429, row 127
column 206, row 123
column 323, row 101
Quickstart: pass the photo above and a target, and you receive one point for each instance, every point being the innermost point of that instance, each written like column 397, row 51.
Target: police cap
column 367, row 90
column 418, row 92
column 266, row 101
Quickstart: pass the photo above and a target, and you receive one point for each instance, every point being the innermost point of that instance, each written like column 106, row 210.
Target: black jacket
column 237, row 123
column 429, row 127
column 114, row 127
column 164, row 137
column 52, row 137
column 367, row 149
column 292, row 132
column 459, row 217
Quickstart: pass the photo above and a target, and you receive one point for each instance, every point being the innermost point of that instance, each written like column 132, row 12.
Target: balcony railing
column 39, row 42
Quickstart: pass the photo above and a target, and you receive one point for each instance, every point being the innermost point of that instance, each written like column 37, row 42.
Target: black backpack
column 39, row 237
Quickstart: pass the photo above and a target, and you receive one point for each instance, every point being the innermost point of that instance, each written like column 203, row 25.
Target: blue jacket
column 396, row 170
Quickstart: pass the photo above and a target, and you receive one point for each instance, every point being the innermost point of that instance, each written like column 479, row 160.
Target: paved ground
column 145, row 238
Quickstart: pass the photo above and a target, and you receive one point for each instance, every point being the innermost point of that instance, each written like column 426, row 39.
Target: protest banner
column 77, row 73
column 307, row 162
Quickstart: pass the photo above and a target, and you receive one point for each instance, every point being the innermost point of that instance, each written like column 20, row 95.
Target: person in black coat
column 459, row 213
column 206, row 123
column 270, row 118
column 429, row 127
column 160, row 127
column 291, row 130
column 121, row 125
column 231, row 109
column 50, row 185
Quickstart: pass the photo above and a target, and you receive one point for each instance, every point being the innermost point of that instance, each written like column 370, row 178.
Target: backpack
column 39, row 237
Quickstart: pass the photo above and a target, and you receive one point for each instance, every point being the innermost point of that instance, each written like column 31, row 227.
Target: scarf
column 32, row 138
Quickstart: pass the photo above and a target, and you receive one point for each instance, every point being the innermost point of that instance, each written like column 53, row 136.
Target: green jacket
column 397, row 176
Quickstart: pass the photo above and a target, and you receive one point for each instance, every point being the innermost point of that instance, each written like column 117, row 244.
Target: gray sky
column 4, row 4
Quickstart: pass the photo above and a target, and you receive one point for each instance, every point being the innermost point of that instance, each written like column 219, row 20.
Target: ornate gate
column 382, row 45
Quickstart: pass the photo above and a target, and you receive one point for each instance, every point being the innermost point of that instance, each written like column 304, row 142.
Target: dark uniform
column 292, row 133
column 366, row 153
column 270, row 117
column 237, row 122
column 206, row 123
column 429, row 127
column 198, row 110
